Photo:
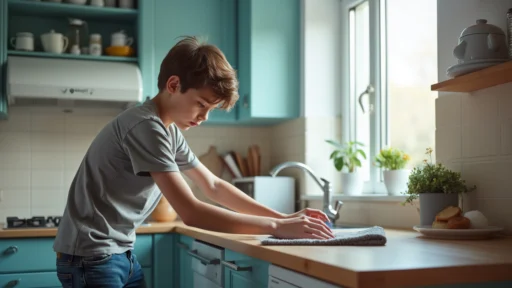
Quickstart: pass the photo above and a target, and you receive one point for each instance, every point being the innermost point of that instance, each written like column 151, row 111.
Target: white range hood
column 69, row 79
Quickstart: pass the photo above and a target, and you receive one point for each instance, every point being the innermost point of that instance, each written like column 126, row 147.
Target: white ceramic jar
column 481, row 41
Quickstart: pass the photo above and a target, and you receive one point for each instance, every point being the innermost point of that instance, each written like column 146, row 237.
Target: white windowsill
column 359, row 198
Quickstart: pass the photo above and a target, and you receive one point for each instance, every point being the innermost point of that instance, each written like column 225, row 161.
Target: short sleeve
column 149, row 148
column 185, row 158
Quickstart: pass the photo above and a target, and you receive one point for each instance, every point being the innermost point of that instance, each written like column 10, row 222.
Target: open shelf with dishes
column 488, row 77
column 66, row 30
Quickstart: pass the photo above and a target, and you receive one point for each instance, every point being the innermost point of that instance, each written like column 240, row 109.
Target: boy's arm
column 229, row 196
column 202, row 215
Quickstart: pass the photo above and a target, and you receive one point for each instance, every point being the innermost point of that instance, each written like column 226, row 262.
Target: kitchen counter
column 407, row 259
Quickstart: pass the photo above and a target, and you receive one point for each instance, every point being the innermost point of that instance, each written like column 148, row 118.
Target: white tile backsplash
column 484, row 135
column 42, row 147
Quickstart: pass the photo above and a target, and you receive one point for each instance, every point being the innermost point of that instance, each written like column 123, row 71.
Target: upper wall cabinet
column 3, row 59
column 269, row 60
column 164, row 22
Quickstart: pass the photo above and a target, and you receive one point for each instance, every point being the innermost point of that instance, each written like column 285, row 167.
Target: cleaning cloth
column 373, row 236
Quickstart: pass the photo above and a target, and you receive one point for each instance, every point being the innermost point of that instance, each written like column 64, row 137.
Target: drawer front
column 236, row 266
column 27, row 255
column 206, row 261
column 143, row 249
column 30, row 280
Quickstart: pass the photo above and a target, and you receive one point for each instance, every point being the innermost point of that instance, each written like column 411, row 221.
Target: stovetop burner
column 34, row 222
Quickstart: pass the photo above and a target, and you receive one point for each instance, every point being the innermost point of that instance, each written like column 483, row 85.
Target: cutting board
column 212, row 161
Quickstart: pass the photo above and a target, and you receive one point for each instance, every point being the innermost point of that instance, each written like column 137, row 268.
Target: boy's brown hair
column 198, row 66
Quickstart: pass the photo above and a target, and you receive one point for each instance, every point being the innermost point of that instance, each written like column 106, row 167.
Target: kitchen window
column 389, row 61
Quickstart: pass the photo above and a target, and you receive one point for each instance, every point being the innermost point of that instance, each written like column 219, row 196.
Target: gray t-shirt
column 112, row 192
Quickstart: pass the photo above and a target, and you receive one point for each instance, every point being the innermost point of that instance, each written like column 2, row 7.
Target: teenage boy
column 114, row 190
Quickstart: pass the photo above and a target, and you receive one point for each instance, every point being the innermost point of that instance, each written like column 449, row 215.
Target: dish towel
column 373, row 236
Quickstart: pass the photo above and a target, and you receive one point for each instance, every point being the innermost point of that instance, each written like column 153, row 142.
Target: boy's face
column 191, row 108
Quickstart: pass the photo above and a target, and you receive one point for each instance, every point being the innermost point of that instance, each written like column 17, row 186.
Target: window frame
column 379, row 128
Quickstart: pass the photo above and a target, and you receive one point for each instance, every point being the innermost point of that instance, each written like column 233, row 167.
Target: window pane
column 412, row 68
column 360, row 77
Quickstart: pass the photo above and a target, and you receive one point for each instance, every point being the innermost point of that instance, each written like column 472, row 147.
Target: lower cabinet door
column 148, row 277
column 30, row 280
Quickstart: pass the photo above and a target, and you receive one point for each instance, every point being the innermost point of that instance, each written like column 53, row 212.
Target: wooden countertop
column 406, row 260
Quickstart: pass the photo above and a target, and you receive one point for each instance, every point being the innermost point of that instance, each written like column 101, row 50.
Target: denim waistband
column 63, row 257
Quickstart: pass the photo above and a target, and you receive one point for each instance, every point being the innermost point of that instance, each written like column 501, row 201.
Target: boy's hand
column 313, row 213
column 302, row 227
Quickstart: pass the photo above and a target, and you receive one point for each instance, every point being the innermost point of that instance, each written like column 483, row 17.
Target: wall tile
column 448, row 143
column 47, row 142
column 15, row 141
column 47, row 160
column 47, row 122
column 481, row 139
column 42, row 179
column 15, row 160
column 492, row 178
column 448, row 109
column 14, row 198
column 15, row 178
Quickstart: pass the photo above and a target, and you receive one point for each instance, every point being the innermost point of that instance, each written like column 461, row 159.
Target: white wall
column 474, row 130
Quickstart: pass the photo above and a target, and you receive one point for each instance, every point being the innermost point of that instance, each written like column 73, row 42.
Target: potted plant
column 347, row 156
column 436, row 187
column 393, row 162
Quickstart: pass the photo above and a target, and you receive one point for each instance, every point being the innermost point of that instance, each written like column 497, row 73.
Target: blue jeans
column 112, row 270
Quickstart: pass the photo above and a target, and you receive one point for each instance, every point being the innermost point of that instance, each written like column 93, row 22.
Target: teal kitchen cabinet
column 3, row 59
column 183, row 262
column 163, row 22
column 243, row 271
column 269, row 60
column 153, row 251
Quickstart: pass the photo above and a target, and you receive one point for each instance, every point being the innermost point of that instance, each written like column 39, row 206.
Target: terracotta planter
column 164, row 212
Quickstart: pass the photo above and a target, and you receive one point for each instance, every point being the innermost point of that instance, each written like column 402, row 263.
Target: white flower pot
column 396, row 181
column 351, row 183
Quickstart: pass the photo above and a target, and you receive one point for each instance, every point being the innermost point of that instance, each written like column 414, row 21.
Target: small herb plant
column 347, row 155
column 391, row 159
column 434, row 178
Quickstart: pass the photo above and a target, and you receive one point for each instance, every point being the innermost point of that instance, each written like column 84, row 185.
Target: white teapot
column 120, row 39
column 54, row 42
column 481, row 41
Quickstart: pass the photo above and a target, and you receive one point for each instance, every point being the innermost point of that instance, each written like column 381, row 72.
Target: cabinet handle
column 203, row 260
column 231, row 265
column 13, row 283
column 11, row 250
column 183, row 246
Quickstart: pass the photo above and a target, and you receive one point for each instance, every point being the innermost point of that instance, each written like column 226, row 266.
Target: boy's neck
column 161, row 109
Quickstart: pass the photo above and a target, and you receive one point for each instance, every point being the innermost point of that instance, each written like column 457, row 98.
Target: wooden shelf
column 72, row 56
column 35, row 8
column 485, row 78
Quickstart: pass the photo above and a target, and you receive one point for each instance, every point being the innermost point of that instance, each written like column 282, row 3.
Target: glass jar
column 95, row 47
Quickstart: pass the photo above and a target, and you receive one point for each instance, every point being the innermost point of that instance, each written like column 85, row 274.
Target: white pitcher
column 54, row 42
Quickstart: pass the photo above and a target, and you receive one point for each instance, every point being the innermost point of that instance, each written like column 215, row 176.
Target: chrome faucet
column 332, row 213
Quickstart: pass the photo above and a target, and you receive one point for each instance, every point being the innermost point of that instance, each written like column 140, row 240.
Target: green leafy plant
column 346, row 155
column 434, row 178
column 391, row 159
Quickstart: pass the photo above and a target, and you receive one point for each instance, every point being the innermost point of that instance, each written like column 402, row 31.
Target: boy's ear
column 173, row 84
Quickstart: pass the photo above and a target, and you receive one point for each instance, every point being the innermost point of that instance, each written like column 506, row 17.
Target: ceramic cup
column 120, row 39
column 23, row 41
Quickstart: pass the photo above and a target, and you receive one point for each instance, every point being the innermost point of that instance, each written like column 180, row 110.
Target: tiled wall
column 41, row 148
column 474, row 137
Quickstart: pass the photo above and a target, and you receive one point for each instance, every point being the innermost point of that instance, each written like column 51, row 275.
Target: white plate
column 458, row 234
column 468, row 67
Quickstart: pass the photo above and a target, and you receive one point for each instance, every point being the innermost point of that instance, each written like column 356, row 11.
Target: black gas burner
column 34, row 222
